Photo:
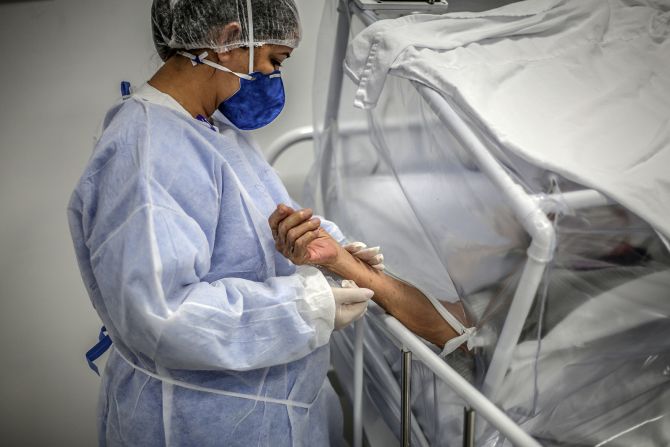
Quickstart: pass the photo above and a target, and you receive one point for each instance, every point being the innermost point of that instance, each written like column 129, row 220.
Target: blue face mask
column 259, row 100
column 257, row 103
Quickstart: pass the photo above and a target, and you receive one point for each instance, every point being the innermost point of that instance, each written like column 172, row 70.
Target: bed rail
column 480, row 403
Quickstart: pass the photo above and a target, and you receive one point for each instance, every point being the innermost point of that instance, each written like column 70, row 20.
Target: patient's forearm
column 403, row 301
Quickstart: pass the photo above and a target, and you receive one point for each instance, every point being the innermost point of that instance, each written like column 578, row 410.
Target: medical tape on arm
column 456, row 342
column 203, row 389
column 464, row 334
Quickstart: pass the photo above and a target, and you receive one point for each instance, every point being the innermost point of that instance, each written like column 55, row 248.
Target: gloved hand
column 351, row 303
column 371, row 256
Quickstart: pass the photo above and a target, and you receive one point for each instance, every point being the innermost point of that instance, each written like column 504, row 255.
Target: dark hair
column 161, row 26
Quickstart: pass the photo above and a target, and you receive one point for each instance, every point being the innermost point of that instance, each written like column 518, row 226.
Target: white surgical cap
column 194, row 24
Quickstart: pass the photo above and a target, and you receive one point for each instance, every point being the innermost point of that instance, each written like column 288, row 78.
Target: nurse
column 218, row 339
column 219, row 321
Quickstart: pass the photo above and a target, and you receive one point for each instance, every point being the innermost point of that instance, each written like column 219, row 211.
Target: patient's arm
column 299, row 238
column 403, row 301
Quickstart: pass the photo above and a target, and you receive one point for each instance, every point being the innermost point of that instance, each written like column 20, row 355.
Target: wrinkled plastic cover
column 572, row 86
column 592, row 366
column 185, row 24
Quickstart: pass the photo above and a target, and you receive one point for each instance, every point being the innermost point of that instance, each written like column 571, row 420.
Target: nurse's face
column 267, row 58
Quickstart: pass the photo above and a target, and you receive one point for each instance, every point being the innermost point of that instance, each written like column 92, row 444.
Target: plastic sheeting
column 578, row 87
column 592, row 366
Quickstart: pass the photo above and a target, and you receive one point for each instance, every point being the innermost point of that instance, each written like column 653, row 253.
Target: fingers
column 354, row 247
column 371, row 256
column 368, row 254
column 353, row 312
column 277, row 216
column 348, row 313
column 361, row 295
column 295, row 233
column 358, row 310
column 347, row 296
column 293, row 220
column 351, row 303
column 379, row 259
column 349, row 284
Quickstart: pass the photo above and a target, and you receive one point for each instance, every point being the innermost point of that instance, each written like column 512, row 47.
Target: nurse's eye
column 276, row 64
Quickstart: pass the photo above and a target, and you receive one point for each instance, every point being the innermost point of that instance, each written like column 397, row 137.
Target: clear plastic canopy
column 592, row 365
column 188, row 24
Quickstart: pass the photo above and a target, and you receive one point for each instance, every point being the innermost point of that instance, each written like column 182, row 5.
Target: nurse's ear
column 236, row 59
column 229, row 33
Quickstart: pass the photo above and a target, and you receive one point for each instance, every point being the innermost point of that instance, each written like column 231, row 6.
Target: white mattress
column 581, row 88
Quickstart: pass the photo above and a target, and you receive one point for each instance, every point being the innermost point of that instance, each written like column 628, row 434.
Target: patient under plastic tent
column 593, row 361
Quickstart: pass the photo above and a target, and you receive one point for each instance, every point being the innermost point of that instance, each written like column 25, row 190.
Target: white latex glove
column 372, row 256
column 351, row 303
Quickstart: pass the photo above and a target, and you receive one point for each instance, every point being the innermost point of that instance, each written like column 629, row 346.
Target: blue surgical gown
column 169, row 223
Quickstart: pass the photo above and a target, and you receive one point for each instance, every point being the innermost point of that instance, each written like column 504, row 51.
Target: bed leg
column 469, row 427
column 406, row 398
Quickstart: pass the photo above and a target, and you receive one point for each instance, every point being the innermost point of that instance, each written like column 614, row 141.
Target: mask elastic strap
column 201, row 60
column 250, row 28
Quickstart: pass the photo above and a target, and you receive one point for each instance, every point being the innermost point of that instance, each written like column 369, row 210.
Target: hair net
column 194, row 24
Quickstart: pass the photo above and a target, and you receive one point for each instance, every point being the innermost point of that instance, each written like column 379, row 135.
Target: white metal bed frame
column 527, row 209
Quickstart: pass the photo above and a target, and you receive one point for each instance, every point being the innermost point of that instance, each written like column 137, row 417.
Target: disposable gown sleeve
column 149, row 266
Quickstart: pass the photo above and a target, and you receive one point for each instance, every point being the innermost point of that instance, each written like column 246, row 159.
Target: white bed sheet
column 581, row 88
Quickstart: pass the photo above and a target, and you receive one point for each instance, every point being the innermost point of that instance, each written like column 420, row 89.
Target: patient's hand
column 324, row 249
column 300, row 238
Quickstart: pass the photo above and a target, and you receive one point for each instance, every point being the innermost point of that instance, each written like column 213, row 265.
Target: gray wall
column 62, row 64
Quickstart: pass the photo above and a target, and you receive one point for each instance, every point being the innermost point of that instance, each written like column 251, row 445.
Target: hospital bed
column 500, row 199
